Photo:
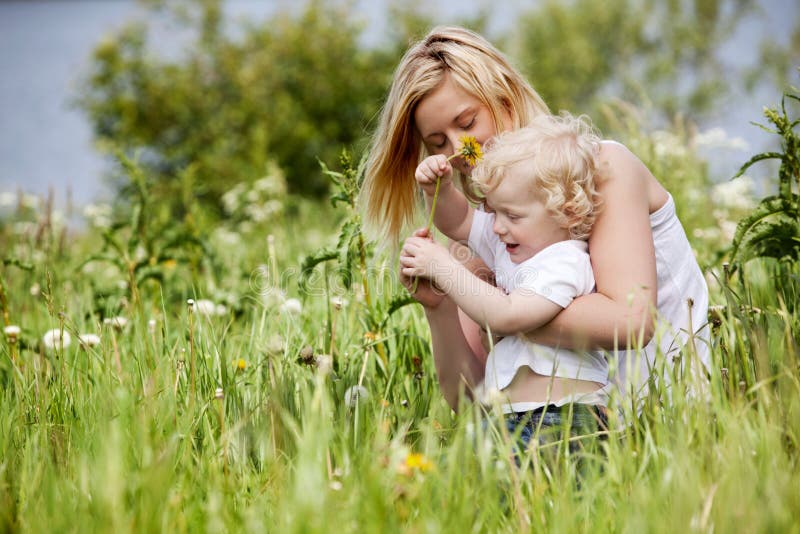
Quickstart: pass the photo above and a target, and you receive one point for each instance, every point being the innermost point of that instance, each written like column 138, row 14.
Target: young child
column 539, row 184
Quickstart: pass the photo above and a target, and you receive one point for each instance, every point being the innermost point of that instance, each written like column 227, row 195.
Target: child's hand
column 430, row 169
column 425, row 258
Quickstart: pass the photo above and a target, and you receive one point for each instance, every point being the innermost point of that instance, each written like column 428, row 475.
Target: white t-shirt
column 559, row 272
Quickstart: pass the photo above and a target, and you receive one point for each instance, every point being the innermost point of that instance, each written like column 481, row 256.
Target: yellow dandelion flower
column 470, row 150
column 240, row 364
column 419, row 462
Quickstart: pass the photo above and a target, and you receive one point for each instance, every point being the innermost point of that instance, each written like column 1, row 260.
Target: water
column 45, row 45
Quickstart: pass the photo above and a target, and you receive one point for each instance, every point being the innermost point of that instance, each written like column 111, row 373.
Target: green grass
column 117, row 437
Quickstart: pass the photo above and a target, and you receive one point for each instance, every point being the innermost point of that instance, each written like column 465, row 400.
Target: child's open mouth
column 511, row 247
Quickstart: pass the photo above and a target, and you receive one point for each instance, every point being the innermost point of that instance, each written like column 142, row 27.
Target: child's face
column 448, row 113
column 522, row 221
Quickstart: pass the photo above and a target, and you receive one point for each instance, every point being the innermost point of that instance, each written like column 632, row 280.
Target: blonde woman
column 650, row 293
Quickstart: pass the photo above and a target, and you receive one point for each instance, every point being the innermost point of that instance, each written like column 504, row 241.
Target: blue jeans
column 551, row 424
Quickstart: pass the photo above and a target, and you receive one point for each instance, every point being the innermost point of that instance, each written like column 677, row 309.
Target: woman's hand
column 430, row 170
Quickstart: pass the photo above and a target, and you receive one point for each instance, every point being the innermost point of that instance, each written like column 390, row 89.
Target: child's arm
column 453, row 216
column 486, row 304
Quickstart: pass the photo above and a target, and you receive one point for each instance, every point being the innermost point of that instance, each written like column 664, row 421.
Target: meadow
column 263, row 370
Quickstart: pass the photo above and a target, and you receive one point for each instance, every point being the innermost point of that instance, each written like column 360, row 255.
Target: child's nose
column 498, row 227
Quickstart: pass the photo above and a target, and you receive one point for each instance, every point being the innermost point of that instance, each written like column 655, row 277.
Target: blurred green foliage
column 302, row 85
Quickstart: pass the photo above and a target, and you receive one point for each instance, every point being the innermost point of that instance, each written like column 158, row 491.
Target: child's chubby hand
column 430, row 169
column 423, row 257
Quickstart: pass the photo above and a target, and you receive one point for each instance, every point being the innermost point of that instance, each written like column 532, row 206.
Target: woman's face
column 446, row 114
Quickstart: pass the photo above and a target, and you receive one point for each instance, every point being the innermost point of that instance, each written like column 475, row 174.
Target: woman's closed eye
column 469, row 124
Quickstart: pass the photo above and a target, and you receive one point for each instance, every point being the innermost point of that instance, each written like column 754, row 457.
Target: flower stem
column 433, row 204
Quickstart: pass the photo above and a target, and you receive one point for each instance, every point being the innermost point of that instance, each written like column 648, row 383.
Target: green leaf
column 17, row 263
column 756, row 159
column 757, row 233
column 310, row 262
column 398, row 301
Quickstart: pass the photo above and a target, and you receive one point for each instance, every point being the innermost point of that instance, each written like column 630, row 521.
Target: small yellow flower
column 470, row 150
column 240, row 364
column 370, row 336
column 418, row 462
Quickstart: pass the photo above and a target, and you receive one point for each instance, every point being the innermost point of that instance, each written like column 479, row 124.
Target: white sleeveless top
column 682, row 310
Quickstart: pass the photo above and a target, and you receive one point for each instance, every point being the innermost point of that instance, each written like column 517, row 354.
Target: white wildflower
column 88, row 340
column 734, row 194
column 56, row 339
column 98, row 215
column 252, row 196
column 31, row 201
column 354, row 395
column 151, row 326
column 718, row 138
column 7, row 199
column 226, row 238
column 230, row 200
column 36, row 290
column 667, row 144
column 292, row 306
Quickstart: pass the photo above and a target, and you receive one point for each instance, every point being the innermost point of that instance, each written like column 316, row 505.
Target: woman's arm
column 458, row 369
column 621, row 249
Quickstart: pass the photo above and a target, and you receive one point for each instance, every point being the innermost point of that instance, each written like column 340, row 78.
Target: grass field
column 261, row 407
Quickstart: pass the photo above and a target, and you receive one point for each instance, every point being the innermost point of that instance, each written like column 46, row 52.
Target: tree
column 292, row 89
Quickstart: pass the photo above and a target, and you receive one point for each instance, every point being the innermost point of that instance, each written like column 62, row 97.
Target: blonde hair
column 558, row 156
column 388, row 195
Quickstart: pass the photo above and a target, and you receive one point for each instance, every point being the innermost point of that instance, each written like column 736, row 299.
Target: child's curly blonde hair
column 558, row 155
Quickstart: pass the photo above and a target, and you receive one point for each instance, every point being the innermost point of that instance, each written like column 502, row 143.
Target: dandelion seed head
column 118, row 323
column 88, row 340
column 12, row 331
column 292, row 306
column 324, row 363
column 354, row 395
column 205, row 307
column 219, row 394
column 338, row 302
column 56, row 339
column 36, row 290
column 151, row 326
